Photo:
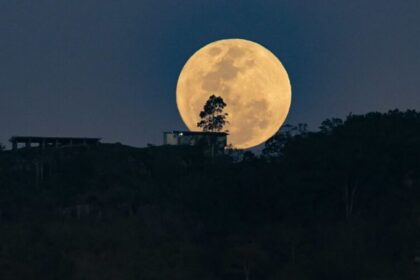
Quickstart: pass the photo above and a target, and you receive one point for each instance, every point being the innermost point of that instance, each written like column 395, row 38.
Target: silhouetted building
column 47, row 142
column 214, row 143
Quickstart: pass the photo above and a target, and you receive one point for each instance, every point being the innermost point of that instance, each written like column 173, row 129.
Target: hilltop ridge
column 338, row 203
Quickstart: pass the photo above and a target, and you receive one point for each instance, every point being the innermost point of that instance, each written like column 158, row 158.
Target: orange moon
column 250, row 79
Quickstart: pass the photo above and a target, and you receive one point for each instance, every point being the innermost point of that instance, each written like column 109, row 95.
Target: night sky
column 109, row 68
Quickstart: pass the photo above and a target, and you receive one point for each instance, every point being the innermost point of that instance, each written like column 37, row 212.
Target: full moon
column 251, row 80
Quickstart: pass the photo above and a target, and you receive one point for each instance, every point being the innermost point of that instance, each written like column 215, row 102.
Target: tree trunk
column 246, row 271
column 349, row 199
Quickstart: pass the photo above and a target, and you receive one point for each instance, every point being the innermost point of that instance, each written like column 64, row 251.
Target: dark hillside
column 340, row 203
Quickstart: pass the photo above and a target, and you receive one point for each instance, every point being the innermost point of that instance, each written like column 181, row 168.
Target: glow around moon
column 250, row 79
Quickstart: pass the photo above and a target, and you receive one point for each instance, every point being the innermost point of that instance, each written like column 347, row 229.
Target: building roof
column 198, row 133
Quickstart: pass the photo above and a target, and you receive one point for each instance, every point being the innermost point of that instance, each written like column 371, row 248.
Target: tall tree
column 212, row 117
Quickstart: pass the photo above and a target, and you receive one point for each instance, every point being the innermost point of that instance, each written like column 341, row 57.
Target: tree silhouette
column 276, row 144
column 213, row 118
column 342, row 202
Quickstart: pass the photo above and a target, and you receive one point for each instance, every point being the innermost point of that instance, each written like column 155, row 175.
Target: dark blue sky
column 109, row 68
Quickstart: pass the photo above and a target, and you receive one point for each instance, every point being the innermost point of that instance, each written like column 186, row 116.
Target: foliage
column 275, row 145
column 329, row 125
column 212, row 117
column 339, row 203
column 355, row 156
column 234, row 154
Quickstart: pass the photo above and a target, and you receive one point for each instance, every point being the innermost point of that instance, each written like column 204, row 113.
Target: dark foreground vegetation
column 340, row 203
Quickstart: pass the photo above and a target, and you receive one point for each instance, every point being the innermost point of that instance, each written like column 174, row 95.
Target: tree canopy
column 213, row 118
column 342, row 202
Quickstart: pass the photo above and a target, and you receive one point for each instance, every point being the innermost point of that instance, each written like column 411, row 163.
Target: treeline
column 342, row 202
